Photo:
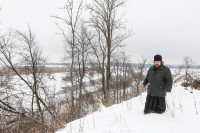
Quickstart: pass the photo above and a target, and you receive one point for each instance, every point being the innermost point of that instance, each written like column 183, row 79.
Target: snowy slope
column 182, row 116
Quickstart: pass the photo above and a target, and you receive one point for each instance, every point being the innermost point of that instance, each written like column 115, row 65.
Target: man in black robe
column 159, row 80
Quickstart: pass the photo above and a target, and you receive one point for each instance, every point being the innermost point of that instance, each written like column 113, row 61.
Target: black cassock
column 155, row 104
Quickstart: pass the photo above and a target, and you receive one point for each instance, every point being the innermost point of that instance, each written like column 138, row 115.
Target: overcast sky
column 167, row 27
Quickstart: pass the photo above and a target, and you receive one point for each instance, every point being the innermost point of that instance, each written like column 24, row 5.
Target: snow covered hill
column 182, row 116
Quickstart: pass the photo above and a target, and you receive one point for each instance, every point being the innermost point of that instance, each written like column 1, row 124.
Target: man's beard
column 156, row 65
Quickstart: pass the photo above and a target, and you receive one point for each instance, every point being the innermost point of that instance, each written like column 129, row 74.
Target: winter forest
column 96, row 87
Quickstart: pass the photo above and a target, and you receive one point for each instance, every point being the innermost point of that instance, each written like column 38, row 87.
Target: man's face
column 157, row 63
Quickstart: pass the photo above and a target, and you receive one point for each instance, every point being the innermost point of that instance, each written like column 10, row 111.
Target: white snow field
column 182, row 116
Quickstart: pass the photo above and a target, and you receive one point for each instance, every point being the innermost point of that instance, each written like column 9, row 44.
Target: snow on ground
column 53, row 84
column 182, row 116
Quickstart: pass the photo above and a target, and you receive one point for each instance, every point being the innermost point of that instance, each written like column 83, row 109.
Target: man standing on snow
column 160, row 81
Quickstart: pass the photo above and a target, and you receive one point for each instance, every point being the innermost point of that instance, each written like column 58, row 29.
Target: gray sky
column 167, row 27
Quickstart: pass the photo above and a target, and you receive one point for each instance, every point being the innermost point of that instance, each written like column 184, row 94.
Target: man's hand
column 143, row 86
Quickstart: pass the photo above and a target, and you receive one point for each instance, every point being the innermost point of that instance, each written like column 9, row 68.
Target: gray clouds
column 168, row 27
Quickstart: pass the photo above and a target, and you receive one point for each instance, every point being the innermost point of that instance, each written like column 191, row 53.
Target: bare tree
column 104, row 18
column 82, row 49
column 98, row 46
column 123, row 76
column 139, row 70
column 21, row 55
column 71, row 21
column 188, row 62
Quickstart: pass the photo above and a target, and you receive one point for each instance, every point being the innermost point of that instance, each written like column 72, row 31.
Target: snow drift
column 181, row 116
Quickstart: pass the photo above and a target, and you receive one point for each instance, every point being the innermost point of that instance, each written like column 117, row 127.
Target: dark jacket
column 159, row 81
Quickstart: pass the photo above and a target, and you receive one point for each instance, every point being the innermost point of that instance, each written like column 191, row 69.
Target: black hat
column 157, row 58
